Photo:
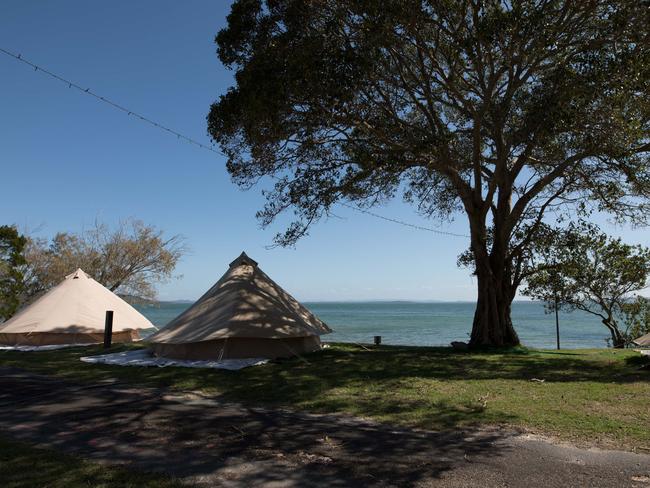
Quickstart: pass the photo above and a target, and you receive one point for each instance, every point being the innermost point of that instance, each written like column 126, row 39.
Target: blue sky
column 67, row 159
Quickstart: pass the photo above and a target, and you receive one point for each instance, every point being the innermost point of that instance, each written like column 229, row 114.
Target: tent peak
column 77, row 274
column 243, row 259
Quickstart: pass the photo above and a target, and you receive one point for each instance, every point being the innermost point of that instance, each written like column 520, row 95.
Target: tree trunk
column 493, row 267
column 492, row 322
column 618, row 341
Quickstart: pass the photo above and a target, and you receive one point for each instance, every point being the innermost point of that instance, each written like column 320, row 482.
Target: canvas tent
column 244, row 315
column 73, row 312
column 643, row 341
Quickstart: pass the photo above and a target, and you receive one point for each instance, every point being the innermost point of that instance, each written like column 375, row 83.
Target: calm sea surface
column 429, row 324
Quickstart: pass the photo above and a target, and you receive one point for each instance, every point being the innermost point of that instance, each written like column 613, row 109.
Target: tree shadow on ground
column 24, row 466
column 434, row 387
column 640, row 362
column 346, row 361
column 215, row 443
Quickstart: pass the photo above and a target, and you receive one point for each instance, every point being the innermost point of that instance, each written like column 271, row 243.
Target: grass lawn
column 590, row 397
column 21, row 466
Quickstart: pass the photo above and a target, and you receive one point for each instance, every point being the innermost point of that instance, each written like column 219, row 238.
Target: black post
column 557, row 324
column 108, row 329
column 377, row 340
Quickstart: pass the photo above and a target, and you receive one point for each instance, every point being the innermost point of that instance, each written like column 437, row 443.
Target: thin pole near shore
column 557, row 324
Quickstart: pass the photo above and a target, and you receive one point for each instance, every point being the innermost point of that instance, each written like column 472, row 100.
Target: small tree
column 129, row 260
column 587, row 270
column 636, row 314
column 12, row 245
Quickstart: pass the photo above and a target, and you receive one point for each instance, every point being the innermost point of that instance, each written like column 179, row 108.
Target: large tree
column 504, row 111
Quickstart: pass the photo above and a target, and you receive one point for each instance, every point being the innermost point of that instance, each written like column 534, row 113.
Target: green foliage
column 582, row 268
column 12, row 259
column 636, row 314
column 501, row 110
column 356, row 100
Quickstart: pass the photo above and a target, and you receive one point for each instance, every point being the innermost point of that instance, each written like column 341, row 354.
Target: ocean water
column 429, row 324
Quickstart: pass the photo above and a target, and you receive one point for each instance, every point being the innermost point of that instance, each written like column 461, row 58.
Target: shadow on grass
column 251, row 446
column 343, row 364
column 638, row 361
column 381, row 382
column 22, row 466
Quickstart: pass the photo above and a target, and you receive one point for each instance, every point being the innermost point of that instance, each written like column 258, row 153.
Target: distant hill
column 135, row 300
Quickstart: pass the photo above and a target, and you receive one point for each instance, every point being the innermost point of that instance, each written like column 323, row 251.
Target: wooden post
column 377, row 340
column 108, row 329
column 557, row 324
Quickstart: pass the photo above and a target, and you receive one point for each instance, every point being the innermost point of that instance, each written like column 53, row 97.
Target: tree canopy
column 129, row 260
column 506, row 112
column 582, row 268
column 12, row 259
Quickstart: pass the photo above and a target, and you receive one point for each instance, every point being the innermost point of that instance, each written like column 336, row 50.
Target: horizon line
column 369, row 300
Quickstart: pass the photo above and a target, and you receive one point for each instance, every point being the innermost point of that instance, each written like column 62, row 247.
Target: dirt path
column 209, row 443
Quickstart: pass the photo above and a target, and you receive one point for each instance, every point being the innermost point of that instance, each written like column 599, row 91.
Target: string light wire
column 395, row 221
column 108, row 101
column 190, row 140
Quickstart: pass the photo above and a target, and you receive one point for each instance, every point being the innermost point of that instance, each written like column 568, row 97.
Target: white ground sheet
column 143, row 357
column 50, row 347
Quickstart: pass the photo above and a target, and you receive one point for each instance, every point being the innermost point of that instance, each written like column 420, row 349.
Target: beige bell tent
column 244, row 315
column 73, row 312
column 643, row 341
